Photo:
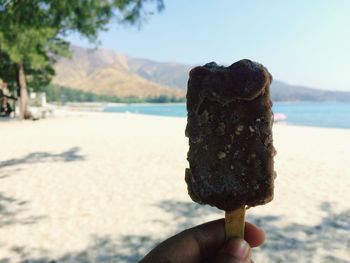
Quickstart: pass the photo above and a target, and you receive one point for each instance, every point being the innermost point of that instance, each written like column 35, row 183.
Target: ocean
column 317, row 114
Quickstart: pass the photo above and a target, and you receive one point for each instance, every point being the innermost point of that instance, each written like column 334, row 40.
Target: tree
column 36, row 78
column 32, row 33
column 7, row 69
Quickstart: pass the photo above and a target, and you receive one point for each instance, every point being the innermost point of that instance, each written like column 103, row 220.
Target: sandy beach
column 100, row 187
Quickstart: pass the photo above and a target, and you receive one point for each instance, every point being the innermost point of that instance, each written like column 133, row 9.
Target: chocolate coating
column 230, row 135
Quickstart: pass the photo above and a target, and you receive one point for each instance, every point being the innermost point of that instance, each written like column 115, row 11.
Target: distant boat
column 279, row 117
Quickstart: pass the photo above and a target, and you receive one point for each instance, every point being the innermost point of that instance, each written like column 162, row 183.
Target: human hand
column 206, row 243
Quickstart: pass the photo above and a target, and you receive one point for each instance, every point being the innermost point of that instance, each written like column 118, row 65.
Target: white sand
column 98, row 187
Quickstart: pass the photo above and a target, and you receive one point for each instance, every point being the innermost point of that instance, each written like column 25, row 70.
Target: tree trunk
column 23, row 93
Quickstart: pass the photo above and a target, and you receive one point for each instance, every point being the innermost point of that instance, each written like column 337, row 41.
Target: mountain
column 168, row 74
column 281, row 91
column 106, row 72
column 111, row 73
column 176, row 75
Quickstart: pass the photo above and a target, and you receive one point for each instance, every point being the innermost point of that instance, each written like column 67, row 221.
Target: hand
column 206, row 243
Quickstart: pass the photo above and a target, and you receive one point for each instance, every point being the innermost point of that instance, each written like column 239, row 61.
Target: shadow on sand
column 292, row 243
column 12, row 210
column 104, row 249
column 36, row 157
column 10, row 167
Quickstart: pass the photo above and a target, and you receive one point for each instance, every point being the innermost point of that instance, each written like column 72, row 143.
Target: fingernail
column 238, row 248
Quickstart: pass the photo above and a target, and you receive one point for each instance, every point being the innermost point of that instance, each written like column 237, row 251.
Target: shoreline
column 60, row 111
column 303, row 114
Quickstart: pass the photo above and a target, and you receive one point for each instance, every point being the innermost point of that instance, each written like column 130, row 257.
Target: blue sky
column 304, row 42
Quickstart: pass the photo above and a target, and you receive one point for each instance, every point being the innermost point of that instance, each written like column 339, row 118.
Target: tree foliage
column 36, row 77
column 32, row 32
column 61, row 94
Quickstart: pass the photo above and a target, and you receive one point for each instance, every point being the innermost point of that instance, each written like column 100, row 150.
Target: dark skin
column 206, row 243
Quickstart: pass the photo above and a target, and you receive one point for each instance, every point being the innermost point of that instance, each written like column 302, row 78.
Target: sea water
column 318, row 114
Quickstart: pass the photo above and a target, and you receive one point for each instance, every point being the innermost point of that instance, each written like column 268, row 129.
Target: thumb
column 234, row 251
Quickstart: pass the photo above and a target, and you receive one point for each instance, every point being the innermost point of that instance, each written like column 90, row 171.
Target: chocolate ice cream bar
column 230, row 137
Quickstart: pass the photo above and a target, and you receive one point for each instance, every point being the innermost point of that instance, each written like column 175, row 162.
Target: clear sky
column 303, row 42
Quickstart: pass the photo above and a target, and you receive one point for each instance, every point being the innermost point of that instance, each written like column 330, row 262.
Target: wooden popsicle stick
column 234, row 223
